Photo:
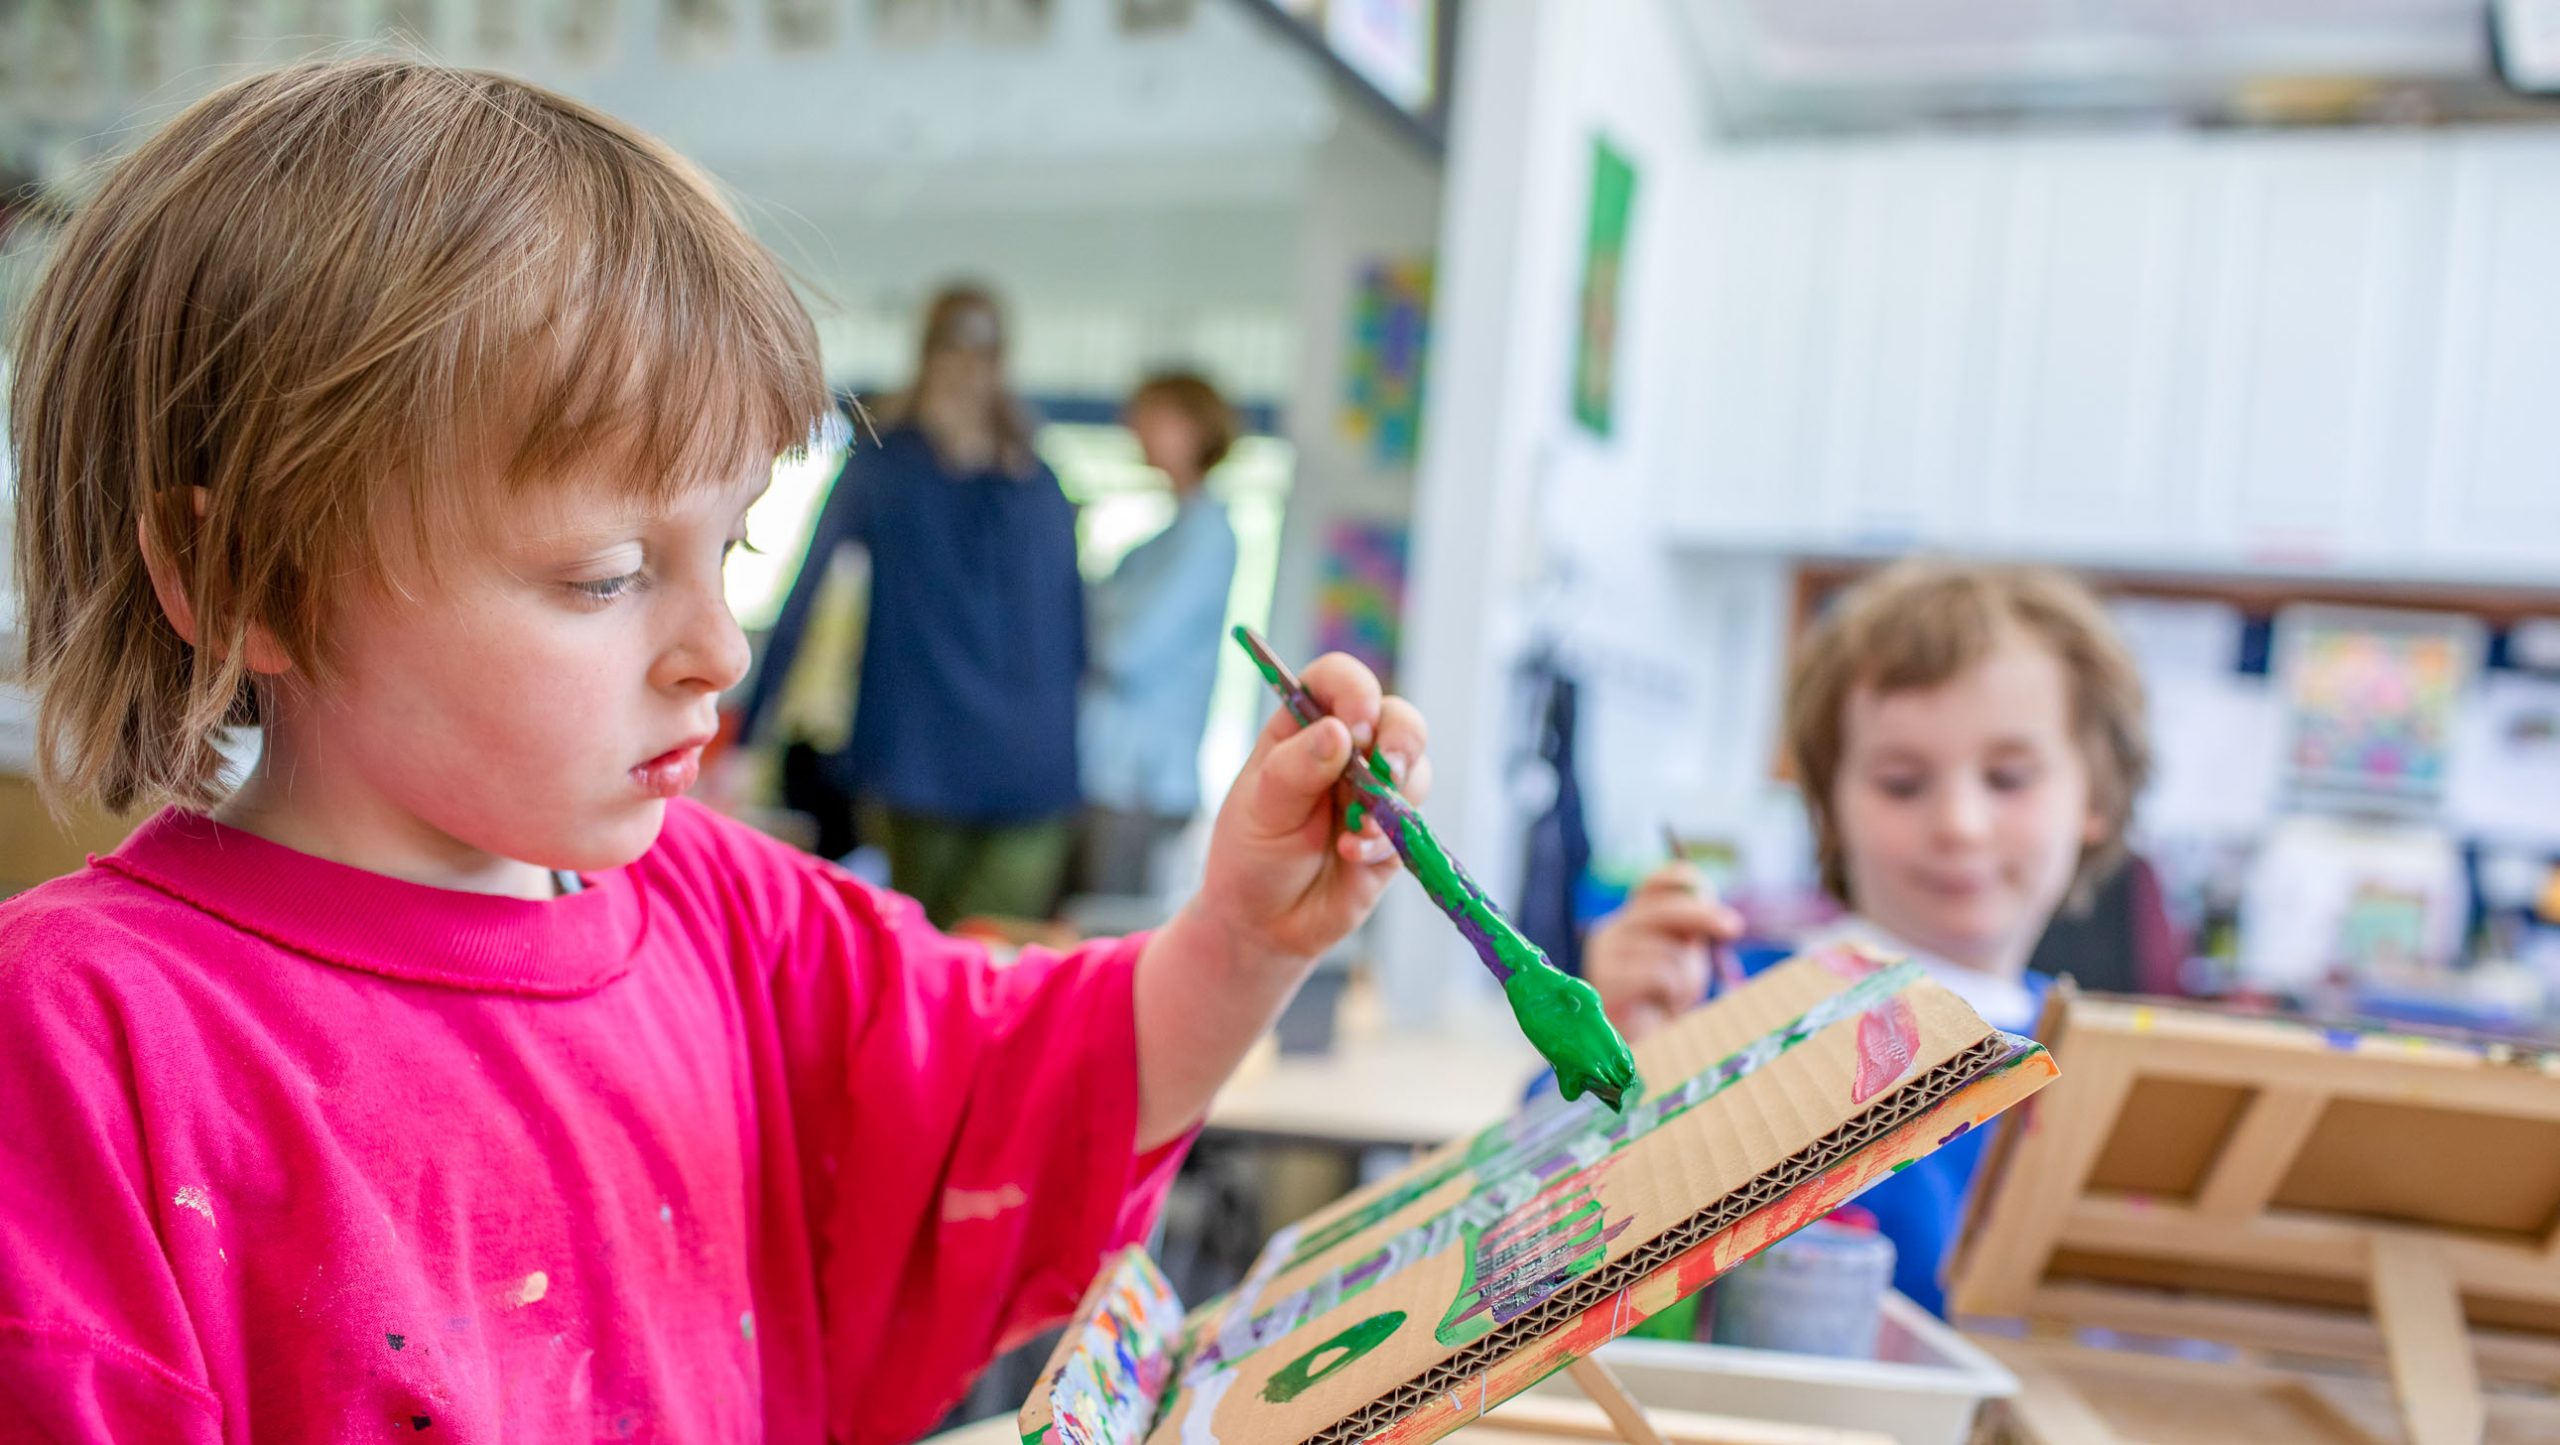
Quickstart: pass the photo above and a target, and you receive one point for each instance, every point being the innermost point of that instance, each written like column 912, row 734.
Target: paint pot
column 1819, row 1291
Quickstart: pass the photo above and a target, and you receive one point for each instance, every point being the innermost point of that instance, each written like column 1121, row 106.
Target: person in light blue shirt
column 1154, row 628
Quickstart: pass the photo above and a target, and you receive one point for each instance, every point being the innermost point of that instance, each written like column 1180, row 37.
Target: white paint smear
column 959, row 1206
column 526, row 1291
column 194, row 1197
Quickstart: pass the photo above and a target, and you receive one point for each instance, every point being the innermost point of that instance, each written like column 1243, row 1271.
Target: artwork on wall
column 1406, row 1310
column 801, row 24
column 1390, row 344
column 1138, row 16
column 581, row 30
column 1360, row 592
column 2371, row 698
column 1595, row 348
column 696, row 27
column 925, row 22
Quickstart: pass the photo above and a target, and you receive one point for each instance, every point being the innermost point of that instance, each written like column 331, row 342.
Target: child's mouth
column 670, row 773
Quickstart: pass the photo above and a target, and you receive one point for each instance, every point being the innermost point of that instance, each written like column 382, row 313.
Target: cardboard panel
column 1409, row 1308
column 2413, row 1164
column 2170, row 1132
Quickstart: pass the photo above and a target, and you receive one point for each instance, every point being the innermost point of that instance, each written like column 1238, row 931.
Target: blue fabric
column 1559, row 838
column 975, row 643
column 1921, row 1208
column 1155, row 642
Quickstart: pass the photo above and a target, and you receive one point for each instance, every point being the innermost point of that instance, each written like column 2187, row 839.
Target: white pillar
column 1499, row 340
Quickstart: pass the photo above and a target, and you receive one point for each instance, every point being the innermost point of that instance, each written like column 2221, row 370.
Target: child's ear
column 264, row 654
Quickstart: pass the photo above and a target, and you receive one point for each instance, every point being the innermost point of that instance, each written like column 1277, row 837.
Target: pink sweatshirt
column 726, row 1147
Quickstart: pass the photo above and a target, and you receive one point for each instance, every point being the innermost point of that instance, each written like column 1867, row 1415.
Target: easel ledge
column 1613, row 1414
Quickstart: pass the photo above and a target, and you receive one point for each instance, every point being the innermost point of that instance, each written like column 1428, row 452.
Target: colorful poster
column 1360, row 593
column 1390, row 341
column 1141, row 16
column 2372, row 697
column 1595, row 352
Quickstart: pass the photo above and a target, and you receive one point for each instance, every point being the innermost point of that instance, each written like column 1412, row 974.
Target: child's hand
column 1285, row 882
column 1650, row 961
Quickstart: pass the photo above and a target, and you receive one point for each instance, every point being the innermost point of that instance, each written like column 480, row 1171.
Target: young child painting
column 452, row 1076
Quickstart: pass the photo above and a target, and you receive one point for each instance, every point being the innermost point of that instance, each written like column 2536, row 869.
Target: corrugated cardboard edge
column 1909, row 1124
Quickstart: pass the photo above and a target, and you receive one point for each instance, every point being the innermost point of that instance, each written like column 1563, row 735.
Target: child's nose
column 711, row 653
column 1964, row 811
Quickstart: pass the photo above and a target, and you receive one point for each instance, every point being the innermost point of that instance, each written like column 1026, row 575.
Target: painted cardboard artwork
column 1407, row 1309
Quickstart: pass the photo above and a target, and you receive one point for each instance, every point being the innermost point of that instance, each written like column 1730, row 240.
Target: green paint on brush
column 1559, row 1014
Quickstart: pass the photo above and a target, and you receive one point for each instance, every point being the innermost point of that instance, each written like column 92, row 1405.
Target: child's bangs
column 646, row 344
column 1937, row 629
column 682, row 366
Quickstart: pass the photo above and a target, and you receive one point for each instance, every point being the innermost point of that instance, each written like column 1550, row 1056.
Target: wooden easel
column 2195, row 1175
column 1602, row 1385
column 1622, row 1418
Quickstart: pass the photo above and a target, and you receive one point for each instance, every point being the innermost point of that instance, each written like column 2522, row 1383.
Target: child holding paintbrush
column 1970, row 741
column 454, row 1077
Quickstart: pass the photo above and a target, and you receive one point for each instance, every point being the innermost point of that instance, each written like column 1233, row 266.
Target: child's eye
column 2013, row 780
column 1900, row 789
column 605, row 589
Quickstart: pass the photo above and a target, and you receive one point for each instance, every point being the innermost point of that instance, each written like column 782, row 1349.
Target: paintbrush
column 1560, row 1014
column 1725, row 969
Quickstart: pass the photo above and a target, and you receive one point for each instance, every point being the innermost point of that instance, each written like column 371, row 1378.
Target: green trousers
column 962, row 870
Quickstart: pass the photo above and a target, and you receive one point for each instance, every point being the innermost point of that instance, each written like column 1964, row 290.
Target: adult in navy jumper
column 964, row 735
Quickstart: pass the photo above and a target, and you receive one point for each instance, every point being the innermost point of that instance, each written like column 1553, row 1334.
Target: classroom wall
column 1519, row 515
column 1371, row 195
column 2281, row 354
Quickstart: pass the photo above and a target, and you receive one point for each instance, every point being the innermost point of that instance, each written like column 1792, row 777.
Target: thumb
column 1297, row 777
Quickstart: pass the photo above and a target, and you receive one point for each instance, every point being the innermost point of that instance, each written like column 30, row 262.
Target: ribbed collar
column 554, row 948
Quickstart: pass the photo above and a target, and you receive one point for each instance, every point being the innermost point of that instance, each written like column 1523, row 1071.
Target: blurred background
column 1579, row 351
column 1602, row 341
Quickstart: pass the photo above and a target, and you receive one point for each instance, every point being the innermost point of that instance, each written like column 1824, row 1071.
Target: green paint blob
column 1294, row 1378
column 1562, row 1017
column 1035, row 1437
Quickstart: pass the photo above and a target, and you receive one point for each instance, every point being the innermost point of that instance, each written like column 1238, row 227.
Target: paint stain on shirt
column 526, row 1291
column 959, row 1206
column 196, row 1198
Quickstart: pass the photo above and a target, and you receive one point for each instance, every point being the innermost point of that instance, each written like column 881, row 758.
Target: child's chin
column 614, row 843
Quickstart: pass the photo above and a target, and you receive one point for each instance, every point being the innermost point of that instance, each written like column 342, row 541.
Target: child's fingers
column 1347, row 689
column 1683, row 917
column 1368, row 848
column 1297, row 776
column 1674, row 877
column 1665, row 981
column 1404, row 740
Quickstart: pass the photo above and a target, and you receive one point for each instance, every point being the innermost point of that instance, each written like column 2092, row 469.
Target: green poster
column 1595, row 352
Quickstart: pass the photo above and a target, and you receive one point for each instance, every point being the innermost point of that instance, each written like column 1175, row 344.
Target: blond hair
column 296, row 326
column 965, row 316
column 1190, row 396
column 1920, row 623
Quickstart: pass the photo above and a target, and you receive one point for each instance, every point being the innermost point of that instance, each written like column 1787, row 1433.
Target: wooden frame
column 2288, row 1188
